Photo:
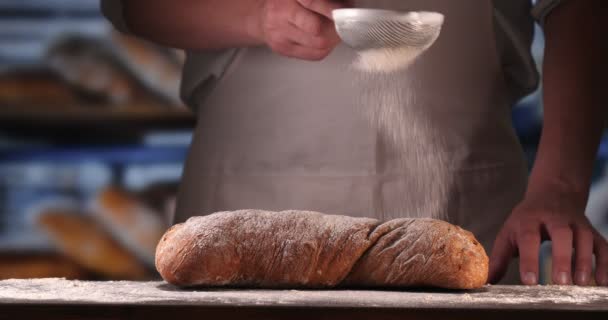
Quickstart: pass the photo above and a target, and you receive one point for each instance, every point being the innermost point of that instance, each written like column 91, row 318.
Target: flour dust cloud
column 413, row 154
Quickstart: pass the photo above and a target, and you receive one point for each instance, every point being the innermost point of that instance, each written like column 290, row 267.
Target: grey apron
column 279, row 133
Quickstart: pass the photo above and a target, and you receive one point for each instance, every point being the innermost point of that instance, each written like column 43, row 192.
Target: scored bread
column 300, row 249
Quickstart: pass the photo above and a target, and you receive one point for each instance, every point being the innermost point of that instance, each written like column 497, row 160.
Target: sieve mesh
column 363, row 29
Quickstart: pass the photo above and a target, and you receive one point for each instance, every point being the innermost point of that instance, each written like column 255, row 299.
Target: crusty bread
column 298, row 249
column 35, row 87
column 158, row 68
column 80, row 238
column 25, row 265
column 137, row 227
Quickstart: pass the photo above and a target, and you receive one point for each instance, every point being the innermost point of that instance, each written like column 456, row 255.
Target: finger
column 322, row 7
column 294, row 50
column 601, row 259
column 561, row 238
column 528, row 244
column 502, row 253
column 583, row 251
column 304, row 39
column 306, row 20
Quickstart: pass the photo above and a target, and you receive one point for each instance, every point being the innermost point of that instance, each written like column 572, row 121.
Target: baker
column 278, row 127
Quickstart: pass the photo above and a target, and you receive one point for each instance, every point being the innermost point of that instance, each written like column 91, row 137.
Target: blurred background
column 92, row 140
column 93, row 137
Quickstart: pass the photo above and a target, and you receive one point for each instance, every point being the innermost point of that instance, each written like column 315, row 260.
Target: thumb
column 322, row 7
column 503, row 251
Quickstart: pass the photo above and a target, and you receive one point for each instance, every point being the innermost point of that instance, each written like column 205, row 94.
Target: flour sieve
column 364, row 29
column 386, row 32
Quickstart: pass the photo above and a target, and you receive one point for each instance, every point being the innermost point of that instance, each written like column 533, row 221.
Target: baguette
column 299, row 249
column 35, row 87
column 133, row 224
column 80, row 238
column 40, row 265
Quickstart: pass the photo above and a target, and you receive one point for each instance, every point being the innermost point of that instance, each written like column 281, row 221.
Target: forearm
column 574, row 99
column 195, row 24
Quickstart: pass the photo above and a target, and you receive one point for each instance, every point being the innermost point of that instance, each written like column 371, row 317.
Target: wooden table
column 62, row 299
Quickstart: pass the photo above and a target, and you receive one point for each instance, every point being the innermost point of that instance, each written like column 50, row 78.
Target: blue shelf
column 109, row 155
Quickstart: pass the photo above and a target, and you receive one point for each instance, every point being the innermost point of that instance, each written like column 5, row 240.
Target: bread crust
column 301, row 249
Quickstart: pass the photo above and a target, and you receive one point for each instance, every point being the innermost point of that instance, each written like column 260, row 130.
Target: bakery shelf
column 96, row 116
column 93, row 123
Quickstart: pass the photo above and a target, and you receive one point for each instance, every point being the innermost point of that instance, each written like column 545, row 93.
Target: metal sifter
column 364, row 29
column 369, row 30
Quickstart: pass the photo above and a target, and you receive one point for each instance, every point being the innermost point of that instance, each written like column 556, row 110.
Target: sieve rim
column 372, row 15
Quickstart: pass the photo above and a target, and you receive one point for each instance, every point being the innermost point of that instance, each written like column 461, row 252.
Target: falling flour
column 419, row 179
column 386, row 60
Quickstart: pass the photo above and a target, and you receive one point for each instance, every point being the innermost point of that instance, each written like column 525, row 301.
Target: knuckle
column 561, row 230
column 279, row 12
column 323, row 44
column 505, row 236
column 313, row 25
column 601, row 242
column 527, row 233
column 583, row 223
column 307, row 21
column 318, row 55
column 323, row 54
column 294, row 14
column 584, row 232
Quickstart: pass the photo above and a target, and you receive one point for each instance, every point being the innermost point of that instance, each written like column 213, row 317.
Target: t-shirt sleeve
column 113, row 11
column 543, row 8
column 201, row 71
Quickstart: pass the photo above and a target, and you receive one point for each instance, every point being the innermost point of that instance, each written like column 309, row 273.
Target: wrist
column 560, row 188
column 558, row 173
column 254, row 22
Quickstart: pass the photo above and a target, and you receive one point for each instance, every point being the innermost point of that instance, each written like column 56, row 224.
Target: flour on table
column 123, row 292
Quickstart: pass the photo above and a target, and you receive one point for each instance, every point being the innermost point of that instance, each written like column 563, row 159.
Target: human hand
column 560, row 218
column 300, row 29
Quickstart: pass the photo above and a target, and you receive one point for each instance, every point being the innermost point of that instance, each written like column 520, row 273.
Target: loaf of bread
column 35, row 87
column 297, row 249
column 40, row 265
column 83, row 240
column 92, row 66
column 158, row 68
column 124, row 70
column 136, row 226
